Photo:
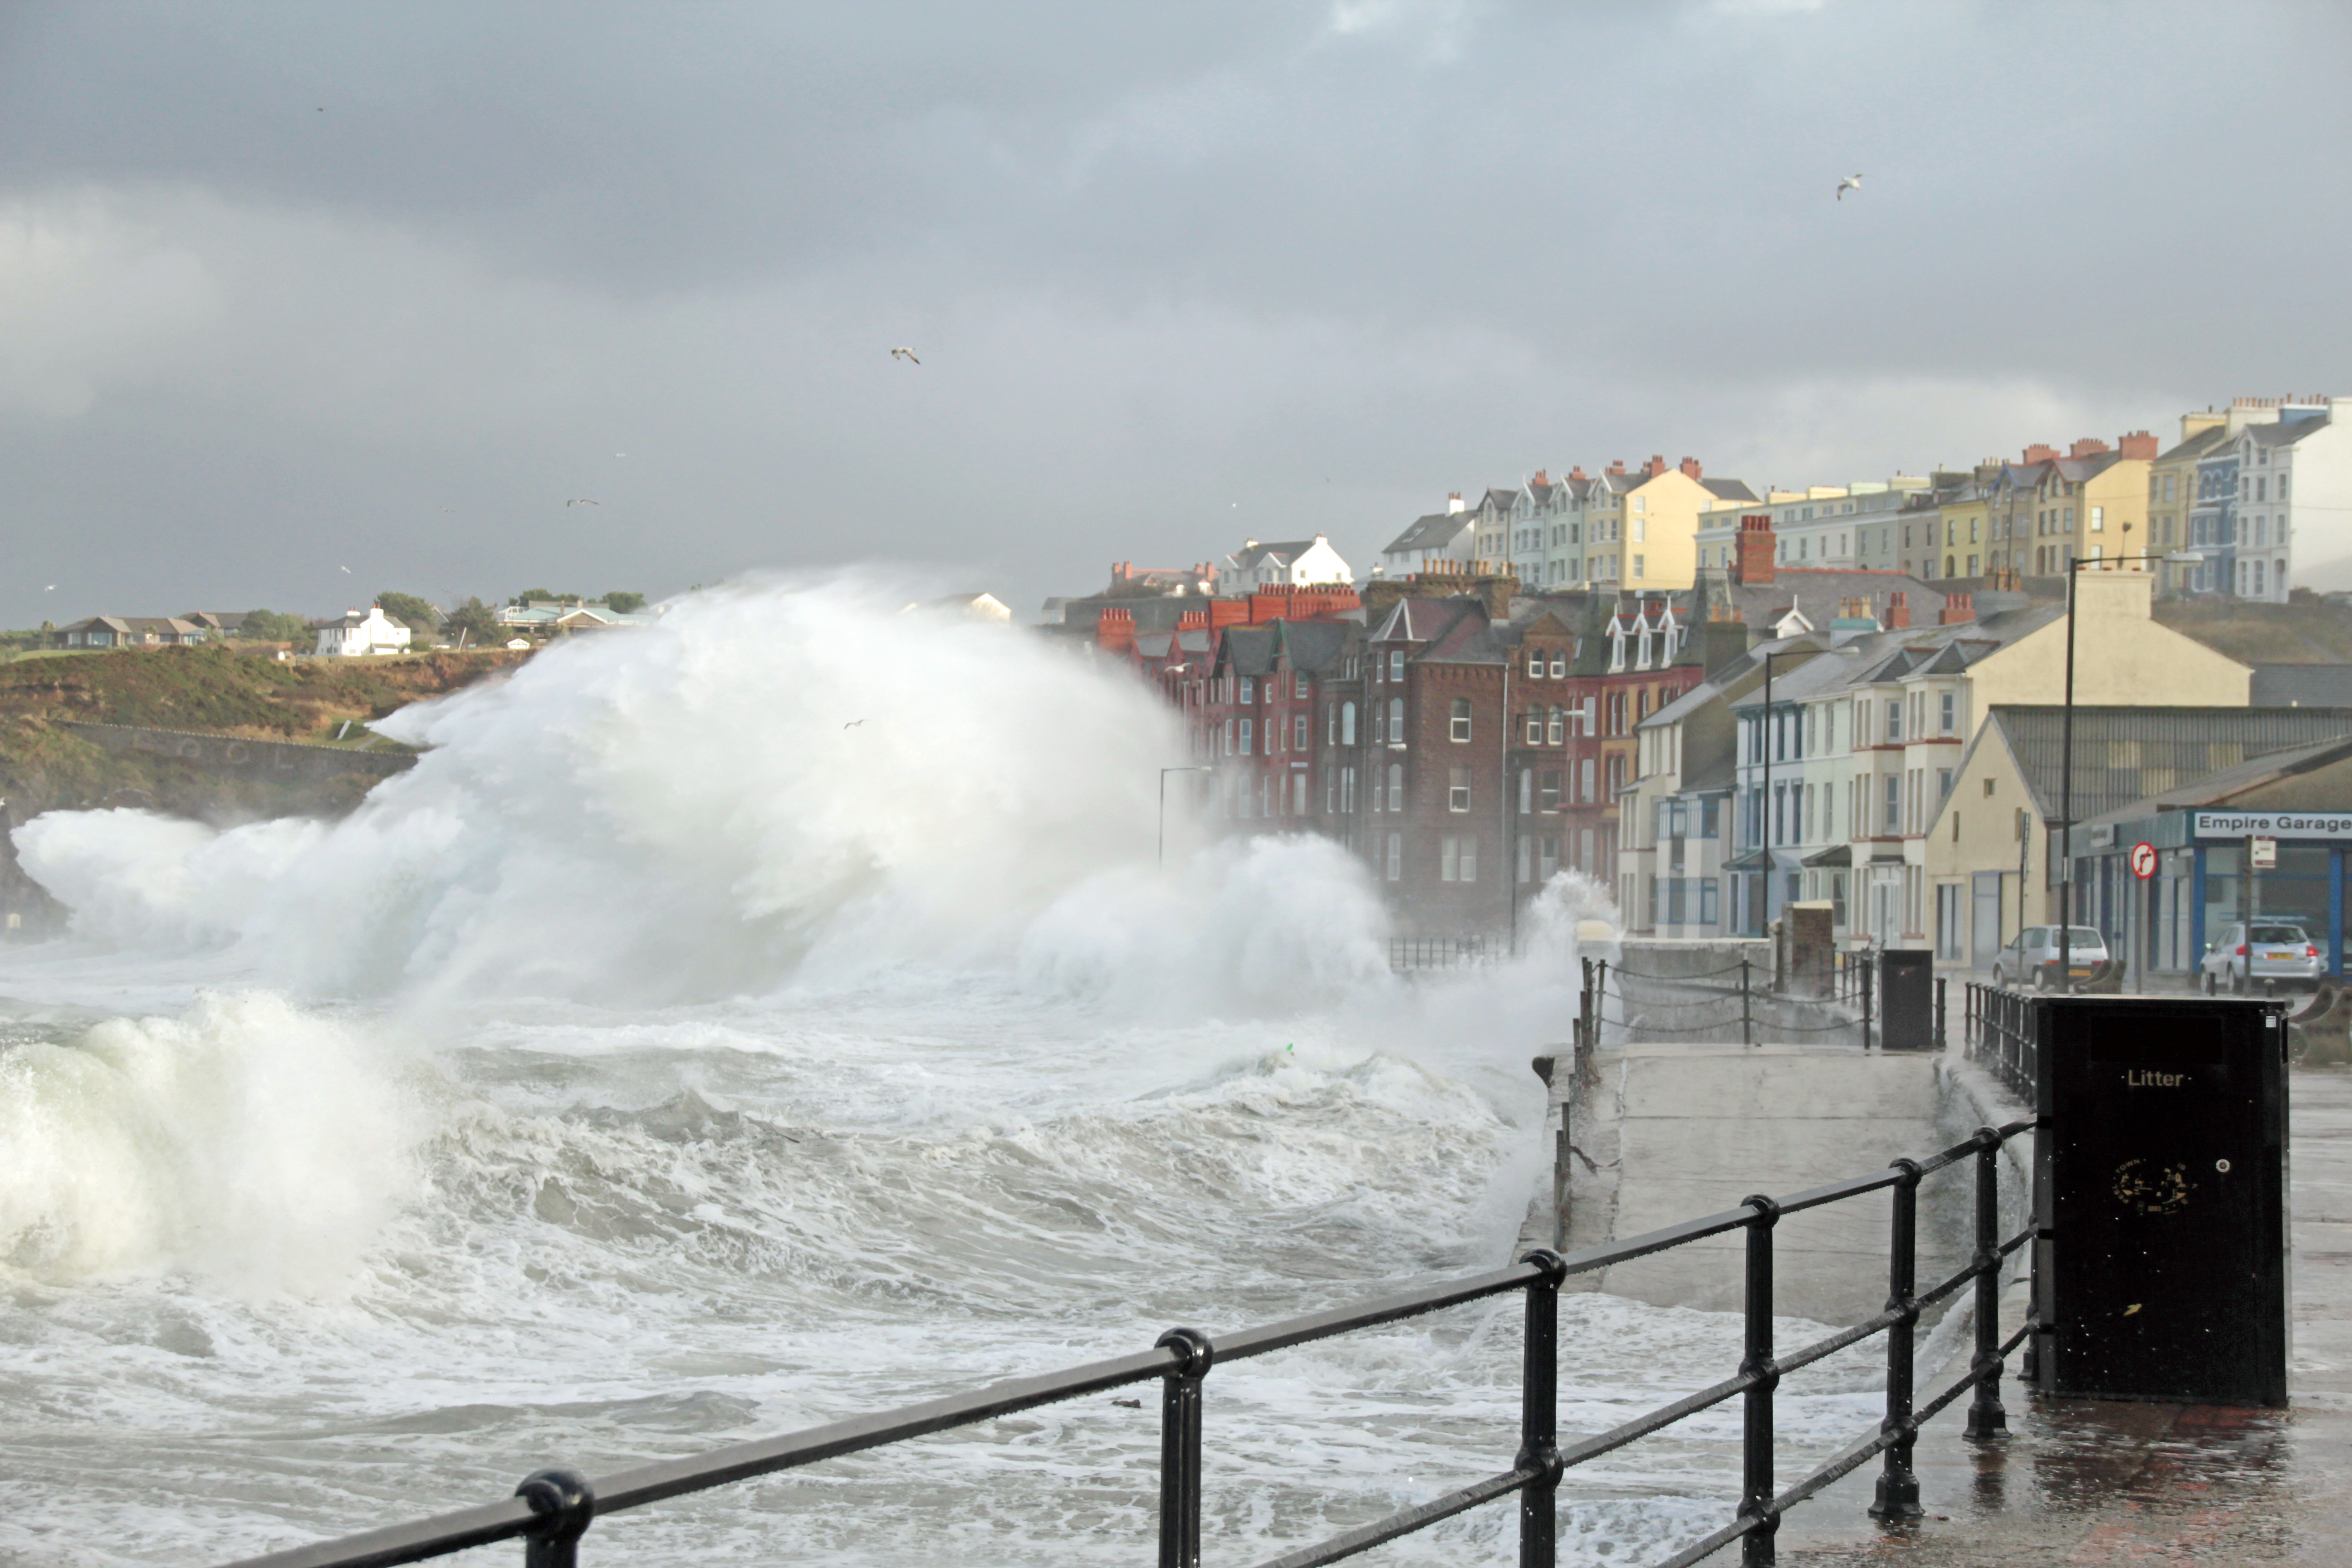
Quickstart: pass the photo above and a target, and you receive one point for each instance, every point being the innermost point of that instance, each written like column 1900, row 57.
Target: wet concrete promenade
column 2097, row 1482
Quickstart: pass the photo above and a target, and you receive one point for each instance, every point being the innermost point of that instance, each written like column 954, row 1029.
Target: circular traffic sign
column 2143, row 860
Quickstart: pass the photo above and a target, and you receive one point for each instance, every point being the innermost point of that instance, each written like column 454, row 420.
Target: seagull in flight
column 50, row 589
column 852, row 723
column 582, row 500
column 906, row 355
column 1851, row 183
column 344, row 570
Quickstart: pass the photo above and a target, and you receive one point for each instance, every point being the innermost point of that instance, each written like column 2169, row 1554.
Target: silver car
column 2032, row 958
column 2261, row 956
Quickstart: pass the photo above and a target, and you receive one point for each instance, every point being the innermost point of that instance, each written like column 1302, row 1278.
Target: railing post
column 1941, row 1042
column 1899, row 1486
column 1869, row 975
column 1755, row 1405
column 1539, row 1413
column 1987, row 1419
column 1747, row 1017
column 1561, row 1173
column 1180, row 1449
column 565, row 1500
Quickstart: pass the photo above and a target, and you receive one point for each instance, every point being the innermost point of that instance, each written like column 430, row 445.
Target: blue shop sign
column 2273, row 825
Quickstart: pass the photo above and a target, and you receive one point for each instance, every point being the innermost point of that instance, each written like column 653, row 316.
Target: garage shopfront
column 2160, row 887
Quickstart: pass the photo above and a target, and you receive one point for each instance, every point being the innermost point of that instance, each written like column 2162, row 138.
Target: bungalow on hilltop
column 131, row 631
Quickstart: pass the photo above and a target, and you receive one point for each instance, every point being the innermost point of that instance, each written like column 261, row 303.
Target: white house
column 358, row 634
column 2294, row 502
column 1440, row 541
column 1293, row 562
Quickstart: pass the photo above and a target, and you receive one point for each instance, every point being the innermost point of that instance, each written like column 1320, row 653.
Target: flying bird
column 344, row 570
column 1851, row 183
column 852, row 723
column 906, row 355
column 582, row 500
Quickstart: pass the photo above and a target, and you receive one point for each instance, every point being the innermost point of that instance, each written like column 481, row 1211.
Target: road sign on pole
column 2143, row 860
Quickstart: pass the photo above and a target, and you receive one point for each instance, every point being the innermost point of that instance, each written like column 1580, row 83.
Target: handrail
column 553, row 1509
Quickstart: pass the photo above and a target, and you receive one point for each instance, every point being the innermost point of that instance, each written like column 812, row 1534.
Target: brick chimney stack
column 1959, row 609
column 2038, row 453
column 1454, row 502
column 1192, row 621
column 1752, row 565
column 1616, row 465
column 2089, row 446
column 1655, row 466
column 1576, row 472
column 1543, row 475
column 1115, row 630
column 1690, row 469
column 1898, row 611
column 2138, row 444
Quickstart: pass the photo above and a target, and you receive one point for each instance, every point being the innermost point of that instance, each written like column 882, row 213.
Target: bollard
column 1866, row 988
column 1941, row 1041
column 1746, row 1019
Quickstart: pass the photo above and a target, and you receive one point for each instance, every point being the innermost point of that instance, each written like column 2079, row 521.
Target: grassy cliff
column 45, row 767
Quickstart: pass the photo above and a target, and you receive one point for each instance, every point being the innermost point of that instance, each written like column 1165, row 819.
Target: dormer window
column 1559, row 665
column 1616, row 651
column 1535, row 664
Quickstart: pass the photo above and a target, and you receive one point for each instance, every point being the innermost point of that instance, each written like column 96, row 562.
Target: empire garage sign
column 2274, row 825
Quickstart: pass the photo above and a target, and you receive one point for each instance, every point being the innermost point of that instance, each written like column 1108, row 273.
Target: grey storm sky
column 291, row 289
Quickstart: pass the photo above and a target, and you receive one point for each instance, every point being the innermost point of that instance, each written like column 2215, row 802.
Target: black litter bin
column 2160, row 1271
column 1906, row 999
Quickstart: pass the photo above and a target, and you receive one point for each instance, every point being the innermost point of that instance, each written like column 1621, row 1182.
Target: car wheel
column 1999, row 980
column 2237, row 984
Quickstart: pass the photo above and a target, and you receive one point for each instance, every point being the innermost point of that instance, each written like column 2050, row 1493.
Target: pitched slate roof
column 1729, row 490
column 1433, row 532
column 1284, row 551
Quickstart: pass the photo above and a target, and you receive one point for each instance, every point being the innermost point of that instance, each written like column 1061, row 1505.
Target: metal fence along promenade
column 553, row 1509
column 2001, row 1036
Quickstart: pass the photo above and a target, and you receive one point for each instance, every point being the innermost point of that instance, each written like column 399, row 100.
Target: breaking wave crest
column 248, row 1143
column 776, row 784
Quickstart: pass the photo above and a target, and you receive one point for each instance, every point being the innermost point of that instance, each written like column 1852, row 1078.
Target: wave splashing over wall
column 777, row 783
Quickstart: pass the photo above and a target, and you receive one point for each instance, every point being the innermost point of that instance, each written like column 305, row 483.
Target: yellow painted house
column 1993, row 823
column 1649, row 518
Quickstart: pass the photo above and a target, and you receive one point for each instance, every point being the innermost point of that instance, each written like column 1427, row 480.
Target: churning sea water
column 769, row 1017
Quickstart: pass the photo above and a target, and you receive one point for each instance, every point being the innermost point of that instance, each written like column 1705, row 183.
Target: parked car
column 2268, row 951
column 2032, row 958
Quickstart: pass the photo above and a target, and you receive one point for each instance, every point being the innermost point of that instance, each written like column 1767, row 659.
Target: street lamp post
column 2066, row 764
column 1188, row 768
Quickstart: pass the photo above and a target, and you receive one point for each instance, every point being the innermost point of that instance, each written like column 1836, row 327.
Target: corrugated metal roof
column 2125, row 754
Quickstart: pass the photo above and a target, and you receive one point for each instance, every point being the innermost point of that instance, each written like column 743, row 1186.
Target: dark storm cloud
column 1323, row 261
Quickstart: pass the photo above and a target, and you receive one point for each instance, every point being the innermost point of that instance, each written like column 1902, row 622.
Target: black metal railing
column 1406, row 953
column 552, row 1509
column 2000, row 1030
column 1728, row 995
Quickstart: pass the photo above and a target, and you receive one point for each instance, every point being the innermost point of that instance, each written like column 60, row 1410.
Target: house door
column 1984, row 925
